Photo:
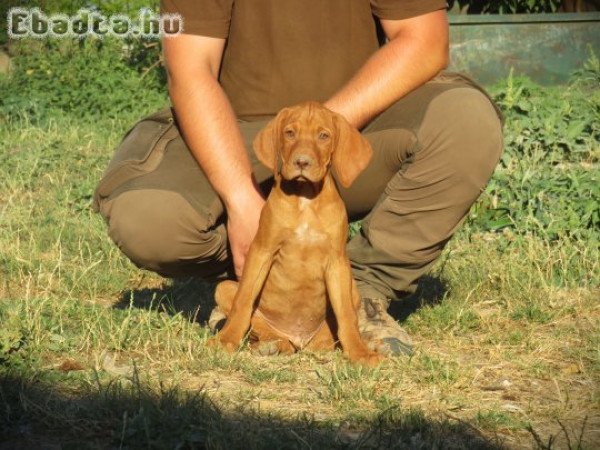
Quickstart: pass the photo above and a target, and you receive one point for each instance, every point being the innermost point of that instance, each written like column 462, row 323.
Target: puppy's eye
column 290, row 134
column 323, row 135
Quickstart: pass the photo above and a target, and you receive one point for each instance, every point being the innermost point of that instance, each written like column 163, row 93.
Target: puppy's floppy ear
column 267, row 142
column 352, row 152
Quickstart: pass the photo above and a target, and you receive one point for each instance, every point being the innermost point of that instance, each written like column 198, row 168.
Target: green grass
column 95, row 353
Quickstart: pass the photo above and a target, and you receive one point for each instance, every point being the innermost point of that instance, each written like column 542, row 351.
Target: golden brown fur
column 297, row 287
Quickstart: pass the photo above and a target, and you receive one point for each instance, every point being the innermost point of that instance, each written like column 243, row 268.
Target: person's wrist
column 242, row 197
column 351, row 115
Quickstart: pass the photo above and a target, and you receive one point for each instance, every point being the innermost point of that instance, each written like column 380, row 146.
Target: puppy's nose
column 302, row 162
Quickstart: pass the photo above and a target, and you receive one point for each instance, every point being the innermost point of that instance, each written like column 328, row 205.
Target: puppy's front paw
column 227, row 345
column 213, row 342
column 367, row 358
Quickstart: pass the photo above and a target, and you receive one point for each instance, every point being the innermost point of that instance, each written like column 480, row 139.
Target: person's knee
column 460, row 141
column 160, row 231
column 462, row 131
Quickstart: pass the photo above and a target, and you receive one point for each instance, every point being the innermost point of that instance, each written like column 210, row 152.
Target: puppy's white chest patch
column 305, row 233
column 304, row 203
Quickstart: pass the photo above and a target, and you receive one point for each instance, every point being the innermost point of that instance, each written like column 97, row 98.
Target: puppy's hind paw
column 266, row 348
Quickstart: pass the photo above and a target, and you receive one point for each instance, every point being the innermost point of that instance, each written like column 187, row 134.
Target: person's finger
column 238, row 264
column 239, row 268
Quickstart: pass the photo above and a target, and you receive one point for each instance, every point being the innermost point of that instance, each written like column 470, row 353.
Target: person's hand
column 242, row 223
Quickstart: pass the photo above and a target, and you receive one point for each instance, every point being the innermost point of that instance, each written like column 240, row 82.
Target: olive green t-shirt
column 283, row 52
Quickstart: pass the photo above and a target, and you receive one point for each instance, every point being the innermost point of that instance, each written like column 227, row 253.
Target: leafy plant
column 561, row 127
column 11, row 337
column 87, row 79
column 548, row 182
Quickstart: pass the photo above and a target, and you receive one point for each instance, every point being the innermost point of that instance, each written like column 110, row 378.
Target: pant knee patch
column 156, row 229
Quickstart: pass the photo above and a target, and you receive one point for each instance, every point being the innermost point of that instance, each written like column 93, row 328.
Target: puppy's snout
column 303, row 162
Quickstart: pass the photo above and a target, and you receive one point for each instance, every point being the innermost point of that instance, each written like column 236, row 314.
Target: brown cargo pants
column 434, row 152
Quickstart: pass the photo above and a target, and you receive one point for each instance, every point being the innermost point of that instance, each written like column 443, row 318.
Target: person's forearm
column 210, row 129
column 406, row 62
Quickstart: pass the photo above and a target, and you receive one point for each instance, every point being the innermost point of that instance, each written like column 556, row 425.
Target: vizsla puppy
column 297, row 289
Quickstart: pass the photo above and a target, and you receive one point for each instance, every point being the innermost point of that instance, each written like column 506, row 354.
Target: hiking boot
column 217, row 319
column 380, row 331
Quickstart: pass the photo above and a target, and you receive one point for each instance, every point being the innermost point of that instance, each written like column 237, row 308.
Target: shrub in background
column 87, row 79
column 548, row 182
column 83, row 77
